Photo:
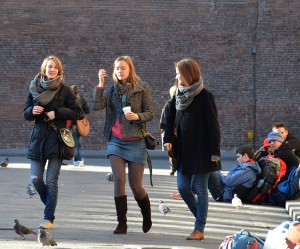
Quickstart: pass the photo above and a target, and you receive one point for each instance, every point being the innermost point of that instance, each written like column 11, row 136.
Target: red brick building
column 248, row 51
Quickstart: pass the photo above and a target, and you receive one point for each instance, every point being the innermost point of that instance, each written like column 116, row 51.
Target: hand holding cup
column 126, row 109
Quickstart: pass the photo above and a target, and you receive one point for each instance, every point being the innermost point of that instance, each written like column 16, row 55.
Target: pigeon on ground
column 22, row 230
column 30, row 190
column 109, row 177
column 163, row 208
column 4, row 163
column 45, row 238
column 236, row 202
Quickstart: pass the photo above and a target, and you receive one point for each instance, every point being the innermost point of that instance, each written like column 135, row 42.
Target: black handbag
column 150, row 140
column 66, row 142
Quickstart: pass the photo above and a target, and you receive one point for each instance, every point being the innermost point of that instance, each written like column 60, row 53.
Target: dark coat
column 164, row 111
column 198, row 134
column 43, row 143
column 84, row 105
column 286, row 154
column 294, row 142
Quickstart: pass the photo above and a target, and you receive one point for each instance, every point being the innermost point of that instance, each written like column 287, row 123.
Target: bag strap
column 54, row 127
column 149, row 161
column 143, row 131
column 259, row 240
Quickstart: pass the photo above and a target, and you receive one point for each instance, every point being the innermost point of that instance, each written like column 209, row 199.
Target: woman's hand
column 132, row 116
column 101, row 75
column 37, row 110
column 51, row 115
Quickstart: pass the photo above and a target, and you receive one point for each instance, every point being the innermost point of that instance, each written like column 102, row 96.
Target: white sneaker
column 76, row 163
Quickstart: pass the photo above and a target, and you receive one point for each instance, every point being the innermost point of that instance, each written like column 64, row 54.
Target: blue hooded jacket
column 241, row 174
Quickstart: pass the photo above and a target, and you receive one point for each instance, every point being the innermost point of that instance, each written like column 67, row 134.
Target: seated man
column 288, row 138
column 263, row 151
column 282, row 150
column 238, row 180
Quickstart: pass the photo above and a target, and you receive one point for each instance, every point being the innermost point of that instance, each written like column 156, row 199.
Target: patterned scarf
column 185, row 95
column 121, row 93
column 44, row 90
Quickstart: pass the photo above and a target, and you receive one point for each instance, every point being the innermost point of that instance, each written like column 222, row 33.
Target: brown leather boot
column 146, row 212
column 121, row 207
column 196, row 235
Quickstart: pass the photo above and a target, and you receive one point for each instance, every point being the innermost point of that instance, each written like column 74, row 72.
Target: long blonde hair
column 133, row 78
column 57, row 62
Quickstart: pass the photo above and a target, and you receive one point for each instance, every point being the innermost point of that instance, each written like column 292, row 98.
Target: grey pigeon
column 4, row 163
column 22, row 230
column 45, row 238
column 163, row 208
column 30, row 190
column 109, row 177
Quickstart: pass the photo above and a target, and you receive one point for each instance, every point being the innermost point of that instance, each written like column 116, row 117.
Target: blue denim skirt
column 130, row 151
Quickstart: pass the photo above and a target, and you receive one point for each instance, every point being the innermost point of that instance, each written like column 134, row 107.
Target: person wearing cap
column 288, row 138
column 263, row 151
column 282, row 150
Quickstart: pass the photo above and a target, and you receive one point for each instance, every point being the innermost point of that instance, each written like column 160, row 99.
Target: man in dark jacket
column 282, row 150
column 288, row 138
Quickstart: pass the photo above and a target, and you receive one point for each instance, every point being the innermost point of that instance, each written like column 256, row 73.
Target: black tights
column 135, row 177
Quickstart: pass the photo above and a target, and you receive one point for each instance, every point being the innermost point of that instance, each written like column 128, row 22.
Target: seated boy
column 238, row 180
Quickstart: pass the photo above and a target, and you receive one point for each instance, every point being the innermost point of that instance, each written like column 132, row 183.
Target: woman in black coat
column 193, row 117
column 49, row 103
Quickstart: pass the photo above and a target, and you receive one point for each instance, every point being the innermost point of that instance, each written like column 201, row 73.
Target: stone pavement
column 86, row 216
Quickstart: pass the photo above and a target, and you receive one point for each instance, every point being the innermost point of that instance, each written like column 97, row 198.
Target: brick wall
column 252, row 91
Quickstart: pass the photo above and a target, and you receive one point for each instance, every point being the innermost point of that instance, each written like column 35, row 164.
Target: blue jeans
column 187, row 185
column 77, row 139
column 48, row 190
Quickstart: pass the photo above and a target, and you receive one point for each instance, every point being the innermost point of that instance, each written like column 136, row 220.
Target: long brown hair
column 189, row 71
column 133, row 78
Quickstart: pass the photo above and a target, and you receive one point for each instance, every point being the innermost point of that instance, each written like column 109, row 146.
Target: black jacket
column 294, row 142
column 286, row 154
column 43, row 143
column 198, row 134
column 84, row 105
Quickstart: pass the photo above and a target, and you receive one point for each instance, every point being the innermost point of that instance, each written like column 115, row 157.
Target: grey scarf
column 44, row 90
column 185, row 95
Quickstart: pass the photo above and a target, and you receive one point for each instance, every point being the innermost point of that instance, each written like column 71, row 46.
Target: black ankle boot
column 121, row 207
column 144, row 204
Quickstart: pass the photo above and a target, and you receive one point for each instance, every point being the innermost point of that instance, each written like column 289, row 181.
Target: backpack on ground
column 242, row 240
column 287, row 189
column 273, row 169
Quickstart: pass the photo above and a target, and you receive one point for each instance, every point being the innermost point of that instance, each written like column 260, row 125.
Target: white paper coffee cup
column 126, row 109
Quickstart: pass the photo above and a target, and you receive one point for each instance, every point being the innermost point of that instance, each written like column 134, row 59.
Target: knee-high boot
column 144, row 204
column 121, row 207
